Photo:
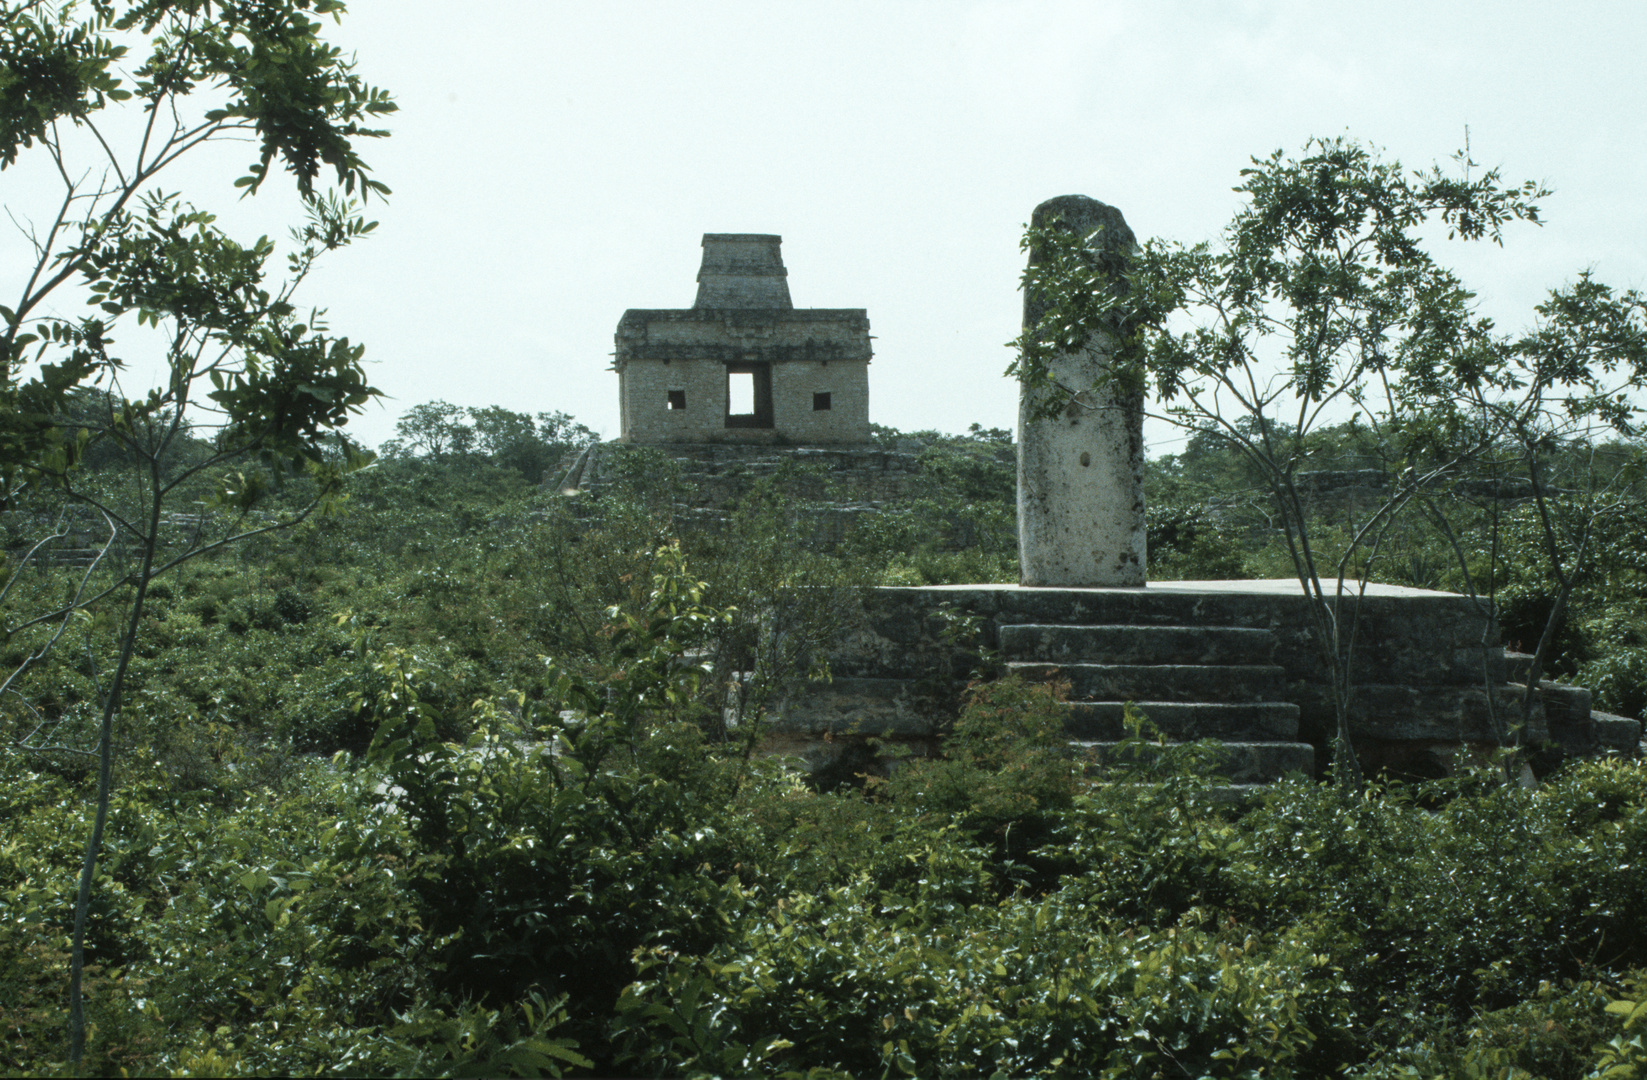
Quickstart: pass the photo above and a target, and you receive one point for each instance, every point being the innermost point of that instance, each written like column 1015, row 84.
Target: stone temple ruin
column 743, row 383
column 1231, row 660
column 744, row 365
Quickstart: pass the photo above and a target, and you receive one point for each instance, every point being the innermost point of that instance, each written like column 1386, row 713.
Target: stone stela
column 743, row 365
column 1081, row 472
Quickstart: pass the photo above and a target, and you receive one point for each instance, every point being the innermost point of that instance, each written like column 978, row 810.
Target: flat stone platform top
column 1263, row 587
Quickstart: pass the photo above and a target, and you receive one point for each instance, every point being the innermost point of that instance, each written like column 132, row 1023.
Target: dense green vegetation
column 418, row 768
column 445, row 783
column 119, row 273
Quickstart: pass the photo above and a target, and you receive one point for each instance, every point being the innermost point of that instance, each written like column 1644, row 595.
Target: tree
column 1322, row 306
column 530, row 447
column 112, row 95
column 437, row 430
column 434, row 429
column 1565, row 385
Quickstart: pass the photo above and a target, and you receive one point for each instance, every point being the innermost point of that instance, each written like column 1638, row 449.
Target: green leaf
column 1633, row 1012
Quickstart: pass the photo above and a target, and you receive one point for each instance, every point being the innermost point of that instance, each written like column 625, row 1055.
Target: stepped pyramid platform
column 1231, row 660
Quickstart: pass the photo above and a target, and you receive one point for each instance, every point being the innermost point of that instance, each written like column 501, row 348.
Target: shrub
column 1522, row 614
column 1618, row 679
column 837, row 982
column 1006, row 768
column 1554, row 1035
column 1189, row 543
column 290, row 605
column 1465, row 894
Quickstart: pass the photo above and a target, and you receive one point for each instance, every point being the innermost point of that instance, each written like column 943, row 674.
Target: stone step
column 1618, row 733
column 1187, row 720
column 1563, row 716
column 1137, row 644
column 1243, row 763
column 1221, row 683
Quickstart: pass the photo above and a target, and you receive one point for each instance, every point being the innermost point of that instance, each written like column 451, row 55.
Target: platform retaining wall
column 1428, row 669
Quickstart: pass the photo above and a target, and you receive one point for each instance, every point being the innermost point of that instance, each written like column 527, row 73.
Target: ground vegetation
column 104, row 99
column 466, row 779
column 448, row 783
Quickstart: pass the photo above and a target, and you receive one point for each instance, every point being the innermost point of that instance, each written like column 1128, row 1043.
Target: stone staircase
column 1232, row 660
column 1192, row 682
column 1572, row 723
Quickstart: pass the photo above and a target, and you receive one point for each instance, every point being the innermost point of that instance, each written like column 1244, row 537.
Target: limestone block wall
column 1422, row 669
column 730, row 334
column 742, row 270
column 644, row 388
column 794, row 386
column 643, row 399
column 691, row 351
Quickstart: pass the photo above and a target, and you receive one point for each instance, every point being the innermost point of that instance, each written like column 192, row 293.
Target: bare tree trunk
column 1566, row 578
column 94, row 843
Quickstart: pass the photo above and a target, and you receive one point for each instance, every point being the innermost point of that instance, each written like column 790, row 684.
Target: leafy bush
column 1558, row 1032
column 1624, row 1057
column 547, row 866
column 840, row 982
column 1469, row 905
column 1006, row 769
column 218, row 925
column 290, row 605
column 1522, row 615
column 1618, row 681
column 1189, row 543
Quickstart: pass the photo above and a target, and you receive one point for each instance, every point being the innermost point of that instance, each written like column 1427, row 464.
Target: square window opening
column 820, row 402
column 740, row 393
column 749, row 395
column 677, row 399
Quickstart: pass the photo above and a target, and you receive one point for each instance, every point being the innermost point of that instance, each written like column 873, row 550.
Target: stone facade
column 716, row 477
column 804, row 374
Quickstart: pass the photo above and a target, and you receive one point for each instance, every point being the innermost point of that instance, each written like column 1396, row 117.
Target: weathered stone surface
column 1406, row 636
column 1415, row 713
column 1423, row 668
column 1081, row 472
column 1123, row 644
column 1160, row 682
column 715, row 476
column 1243, row 762
column 809, row 368
column 834, row 487
column 742, row 270
column 1187, row 721
column 1620, row 734
column 848, row 706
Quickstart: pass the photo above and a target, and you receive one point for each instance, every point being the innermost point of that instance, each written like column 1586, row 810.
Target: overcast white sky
column 556, row 163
